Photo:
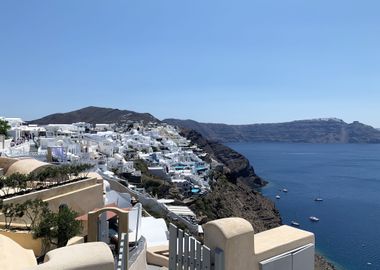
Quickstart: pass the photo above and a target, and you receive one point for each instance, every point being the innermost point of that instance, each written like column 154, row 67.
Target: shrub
column 58, row 228
column 42, row 179
column 12, row 211
column 35, row 210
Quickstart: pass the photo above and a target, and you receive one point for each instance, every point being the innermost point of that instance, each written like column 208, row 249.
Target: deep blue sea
column 346, row 176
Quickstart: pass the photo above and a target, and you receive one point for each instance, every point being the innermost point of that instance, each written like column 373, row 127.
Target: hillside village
column 119, row 153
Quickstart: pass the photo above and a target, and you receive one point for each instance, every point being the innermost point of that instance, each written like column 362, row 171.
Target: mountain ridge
column 94, row 115
column 321, row 130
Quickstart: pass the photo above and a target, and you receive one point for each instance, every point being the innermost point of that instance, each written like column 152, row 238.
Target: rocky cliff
column 233, row 192
column 235, row 166
column 305, row 131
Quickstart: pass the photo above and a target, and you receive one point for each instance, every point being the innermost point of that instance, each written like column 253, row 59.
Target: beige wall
column 88, row 256
column 54, row 191
column 75, row 241
column 82, row 200
column 25, row 239
column 244, row 250
column 82, row 196
column 15, row 257
column 140, row 262
column 235, row 236
column 85, row 195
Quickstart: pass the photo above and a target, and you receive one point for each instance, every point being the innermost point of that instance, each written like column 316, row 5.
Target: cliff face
column 237, row 200
column 232, row 193
column 235, row 166
column 305, row 131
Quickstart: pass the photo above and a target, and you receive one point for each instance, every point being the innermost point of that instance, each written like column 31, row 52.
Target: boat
column 319, row 198
column 285, row 190
column 278, row 197
column 295, row 223
column 314, row 219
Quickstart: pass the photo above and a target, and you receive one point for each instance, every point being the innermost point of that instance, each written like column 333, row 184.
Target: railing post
column 192, row 254
column 172, row 247
column 198, row 263
column 92, row 227
column 125, row 251
column 186, row 252
column 138, row 223
column 180, row 250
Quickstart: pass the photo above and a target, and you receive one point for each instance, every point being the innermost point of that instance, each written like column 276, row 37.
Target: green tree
column 58, row 228
column 4, row 127
column 35, row 210
column 12, row 211
column 45, row 230
column 67, row 226
column 13, row 183
column 17, row 182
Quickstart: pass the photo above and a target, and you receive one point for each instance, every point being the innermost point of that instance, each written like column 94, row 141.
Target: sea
column 345, row 176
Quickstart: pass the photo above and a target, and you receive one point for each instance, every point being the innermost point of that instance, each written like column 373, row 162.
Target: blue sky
column 241, row 61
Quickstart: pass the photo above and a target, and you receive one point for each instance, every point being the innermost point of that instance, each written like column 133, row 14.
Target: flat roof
column 180, row 210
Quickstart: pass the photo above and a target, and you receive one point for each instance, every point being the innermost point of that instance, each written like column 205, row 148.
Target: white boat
column 314, row 219
column 295, row 223
column 285, row 190
column 278, row 197
column 319, row 198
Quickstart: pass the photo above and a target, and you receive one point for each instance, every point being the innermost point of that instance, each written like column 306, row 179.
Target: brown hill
column 95, row 115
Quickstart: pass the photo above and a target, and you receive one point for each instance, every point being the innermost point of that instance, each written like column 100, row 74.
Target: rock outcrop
column 237, row 200
column 322, row 264
column 233, row 191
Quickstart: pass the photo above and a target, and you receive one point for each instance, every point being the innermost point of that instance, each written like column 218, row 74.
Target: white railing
column 187, row 253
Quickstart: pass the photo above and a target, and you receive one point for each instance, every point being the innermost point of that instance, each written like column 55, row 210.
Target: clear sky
column 237, row 61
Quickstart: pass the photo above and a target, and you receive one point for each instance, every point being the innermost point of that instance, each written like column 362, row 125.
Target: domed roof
column 6, row 162
column 26, row 166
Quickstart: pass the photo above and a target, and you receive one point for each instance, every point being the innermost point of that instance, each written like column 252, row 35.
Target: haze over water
column 346, row 176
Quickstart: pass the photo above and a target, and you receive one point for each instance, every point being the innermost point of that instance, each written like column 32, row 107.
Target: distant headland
column 322, row 130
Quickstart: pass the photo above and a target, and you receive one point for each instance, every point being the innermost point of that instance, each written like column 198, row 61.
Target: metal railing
column 187, row 253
